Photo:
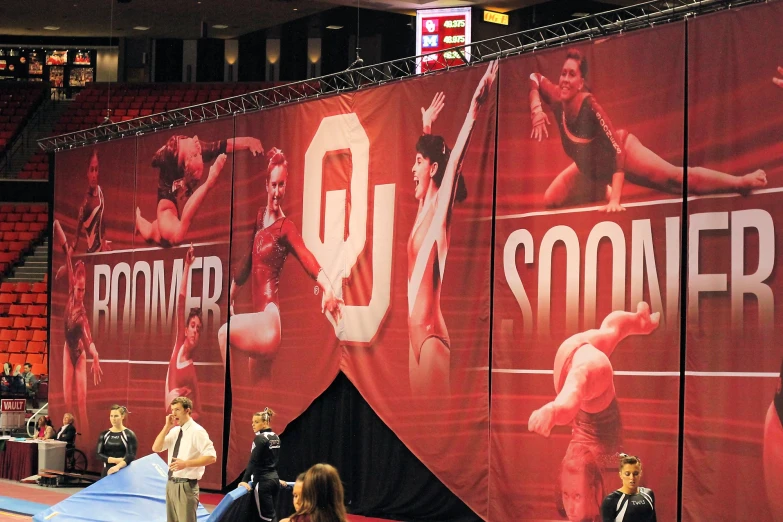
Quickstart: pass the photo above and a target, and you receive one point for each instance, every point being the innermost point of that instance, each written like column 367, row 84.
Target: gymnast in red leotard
column 78, row 338
column 181, row 375
column 605, row 157
column 275, row 236
column 438, row 181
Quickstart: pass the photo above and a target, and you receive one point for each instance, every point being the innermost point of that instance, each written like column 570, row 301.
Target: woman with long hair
column 181, row 378
column 257, row 334
column 181, row 166
column 322, row 497
column 579, row 490
column 45, row 428
column 78, row 336
column 117, row 446
column 437, row 176
column 604, row 157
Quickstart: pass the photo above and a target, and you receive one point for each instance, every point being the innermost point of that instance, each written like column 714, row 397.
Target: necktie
column 176, row 450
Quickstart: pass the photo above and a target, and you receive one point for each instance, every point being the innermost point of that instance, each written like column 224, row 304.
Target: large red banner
column 585, row 359
column 141, row 318
column 375, row 213
column 360, row 241
column 733, row 434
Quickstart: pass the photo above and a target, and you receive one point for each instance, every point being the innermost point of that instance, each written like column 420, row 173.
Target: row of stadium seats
column 21, row 227
column 28, row 299
column 23, row 346
column 36, row 167
column 22, row 334
column 38, row 360
column 23, row 287
column 129, row 101
column 28, row 311
column 17, row 102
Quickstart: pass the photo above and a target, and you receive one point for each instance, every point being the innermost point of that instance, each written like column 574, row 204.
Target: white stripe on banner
column 764, row 375
column 147, row 249
column 628, row 205
column 128, row 361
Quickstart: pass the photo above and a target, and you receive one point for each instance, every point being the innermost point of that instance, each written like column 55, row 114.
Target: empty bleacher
column 23, row 325
column 22, row 227
column 18, row 100
column 129, row 101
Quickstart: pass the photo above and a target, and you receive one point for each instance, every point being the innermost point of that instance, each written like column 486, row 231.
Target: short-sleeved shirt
column 195, row 443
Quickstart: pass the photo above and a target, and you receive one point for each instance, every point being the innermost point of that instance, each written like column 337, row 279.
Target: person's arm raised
column 160, row 441
column 454, row 164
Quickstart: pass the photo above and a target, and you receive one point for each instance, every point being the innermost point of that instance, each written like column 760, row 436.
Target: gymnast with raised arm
column 181, row 378
column 78, row 336
column 437, row 177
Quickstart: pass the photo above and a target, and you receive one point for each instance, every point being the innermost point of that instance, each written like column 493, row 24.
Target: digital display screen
column 438, row 30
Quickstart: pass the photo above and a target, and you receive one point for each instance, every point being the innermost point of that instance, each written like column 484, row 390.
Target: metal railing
column 630, row 18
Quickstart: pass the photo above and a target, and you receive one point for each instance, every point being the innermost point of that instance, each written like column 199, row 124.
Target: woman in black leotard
column 630, row 503
column 117, row 445
column 603, row 156
column 262, row 469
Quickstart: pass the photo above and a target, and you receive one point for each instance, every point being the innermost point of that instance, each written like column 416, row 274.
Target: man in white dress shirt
column 190, row 451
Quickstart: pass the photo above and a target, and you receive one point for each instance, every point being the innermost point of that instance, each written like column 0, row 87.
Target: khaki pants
column 181, row 501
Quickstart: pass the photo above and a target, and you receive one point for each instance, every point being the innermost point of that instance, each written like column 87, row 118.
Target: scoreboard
column 438, row 30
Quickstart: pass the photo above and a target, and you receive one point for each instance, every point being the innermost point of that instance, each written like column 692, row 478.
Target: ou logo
column 337, row 253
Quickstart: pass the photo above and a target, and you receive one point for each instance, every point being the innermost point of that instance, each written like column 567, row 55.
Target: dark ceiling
column 184, row 18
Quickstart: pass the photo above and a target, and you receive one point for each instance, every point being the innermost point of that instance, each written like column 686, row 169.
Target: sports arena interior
column 145, row 152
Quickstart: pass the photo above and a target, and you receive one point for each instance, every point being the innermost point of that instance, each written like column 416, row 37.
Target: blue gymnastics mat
column 137, row 493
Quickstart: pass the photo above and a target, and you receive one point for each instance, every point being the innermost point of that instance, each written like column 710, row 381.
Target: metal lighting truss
column 638, row 16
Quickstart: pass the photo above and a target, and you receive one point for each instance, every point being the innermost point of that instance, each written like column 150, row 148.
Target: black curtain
column 382, row 478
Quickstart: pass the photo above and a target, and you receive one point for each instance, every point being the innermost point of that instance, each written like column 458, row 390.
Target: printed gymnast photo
column 586, row 400
column 181, row 378
column 90, row 221
column 78, row 335
column 181, row 163
column 257, row 334
column 437, row 177
column 604, row 158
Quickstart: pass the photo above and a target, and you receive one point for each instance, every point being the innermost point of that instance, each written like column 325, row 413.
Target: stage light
column 220, row 26
column 141, row 28
column 334, row 27
column 51, row 28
